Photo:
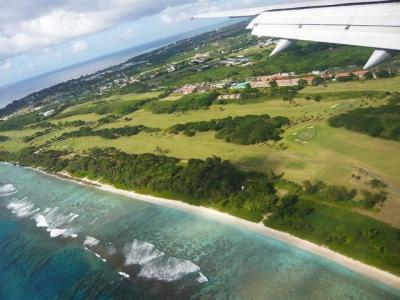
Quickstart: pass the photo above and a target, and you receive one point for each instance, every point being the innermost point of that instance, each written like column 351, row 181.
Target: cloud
column 28, row 25
column 6, row 65
column 31, row 25
column 79, row 46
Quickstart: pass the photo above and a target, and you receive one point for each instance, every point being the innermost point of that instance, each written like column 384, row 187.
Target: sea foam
column 156, row 265
column 22, row 208
column 7, row 190
column 168, row 269
column 55, row 222
column 91, row 241
column 124, row 274
column 139, row 253
column 202, row 278
column 41, row 221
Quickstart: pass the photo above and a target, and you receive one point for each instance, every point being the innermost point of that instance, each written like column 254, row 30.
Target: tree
column 369, row 76
column 383, row 74
column 318, row 80
column 302, row 83
column 273, row 84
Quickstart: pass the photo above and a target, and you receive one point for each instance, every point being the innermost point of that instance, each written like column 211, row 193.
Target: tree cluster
column 246, row 130
column 383, row 121
column 186, row 103
column 107, row 133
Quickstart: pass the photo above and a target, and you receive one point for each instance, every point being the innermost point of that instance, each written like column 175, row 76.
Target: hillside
column 186, row 106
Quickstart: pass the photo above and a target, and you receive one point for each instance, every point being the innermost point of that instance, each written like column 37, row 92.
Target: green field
column 310, row 149
column 314, row 150
column 384, row 85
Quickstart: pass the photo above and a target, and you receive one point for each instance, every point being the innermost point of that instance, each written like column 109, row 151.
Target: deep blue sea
column 62, row 240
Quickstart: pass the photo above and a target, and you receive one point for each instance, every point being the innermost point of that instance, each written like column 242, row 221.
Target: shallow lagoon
column 61, row 240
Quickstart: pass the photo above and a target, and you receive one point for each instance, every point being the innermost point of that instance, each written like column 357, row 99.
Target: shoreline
column 209, row 213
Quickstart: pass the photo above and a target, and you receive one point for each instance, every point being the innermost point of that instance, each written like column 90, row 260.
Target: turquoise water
column 61, row 240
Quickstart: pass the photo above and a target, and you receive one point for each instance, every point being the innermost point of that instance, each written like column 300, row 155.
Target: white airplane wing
column 367, row 23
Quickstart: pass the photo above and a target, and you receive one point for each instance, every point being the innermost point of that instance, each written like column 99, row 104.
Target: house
column 222, row 84
column 240, row 85
column 361, row 73
column 233, row 61
column 259, row 84
column 185, row 90
column 49, row 113
column 171, row 68
column 204, row 87
column 342, row 74
column 229, row 97
column 287, row 82
column 200, row 58
column 308, row 79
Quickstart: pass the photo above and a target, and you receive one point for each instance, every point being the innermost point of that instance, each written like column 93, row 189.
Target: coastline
column 322, row 251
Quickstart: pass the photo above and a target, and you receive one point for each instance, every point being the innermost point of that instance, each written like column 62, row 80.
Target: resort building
column 229, row 97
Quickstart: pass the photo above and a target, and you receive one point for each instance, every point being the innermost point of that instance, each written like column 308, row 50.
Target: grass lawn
column 384, row 85
column 110, row 104
column 273, row 108
column 86, row 117
column 314, row 150
column 13, row 145
column 19, row 133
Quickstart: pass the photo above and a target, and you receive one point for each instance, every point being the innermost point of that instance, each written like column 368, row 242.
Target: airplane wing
column 367, row 23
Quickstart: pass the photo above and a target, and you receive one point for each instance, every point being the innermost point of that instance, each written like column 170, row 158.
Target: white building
column 49, row 113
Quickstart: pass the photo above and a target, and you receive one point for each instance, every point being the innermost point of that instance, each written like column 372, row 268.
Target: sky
column 38, row 36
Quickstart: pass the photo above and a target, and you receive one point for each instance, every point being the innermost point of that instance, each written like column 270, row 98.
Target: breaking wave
column 156, row 265
column 152, row 262
column 139, row 253
column 90, row 241
column 22, row 208
column 168, row 269
column 55, row 222
column 7, row 190
column 202, row 278
column 124, row 274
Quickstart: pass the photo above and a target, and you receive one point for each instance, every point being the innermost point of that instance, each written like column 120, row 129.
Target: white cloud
column 6, row 65
column 79, row 46
column 27, row 25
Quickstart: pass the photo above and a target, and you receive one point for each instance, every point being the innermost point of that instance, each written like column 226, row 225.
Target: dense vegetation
column 217, row 183
column 329, row 192
column 302, row 58
column 18, row 122
column 197, row 181
column 383, row 121
column 342, row 230
column 105, row 107
column 136, row 87
column 240, row 130
column 107, row 133
column 27, row 139
column 186, row 103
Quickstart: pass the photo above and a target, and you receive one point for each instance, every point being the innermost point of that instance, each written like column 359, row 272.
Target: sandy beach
column 357, row 266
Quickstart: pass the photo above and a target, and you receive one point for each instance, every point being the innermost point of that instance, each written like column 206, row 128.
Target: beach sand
column 320, row 250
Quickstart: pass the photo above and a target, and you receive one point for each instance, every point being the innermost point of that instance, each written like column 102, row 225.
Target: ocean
column 63, row 240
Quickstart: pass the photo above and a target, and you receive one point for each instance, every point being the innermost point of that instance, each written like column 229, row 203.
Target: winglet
column 378, row 57
column 283, row 44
